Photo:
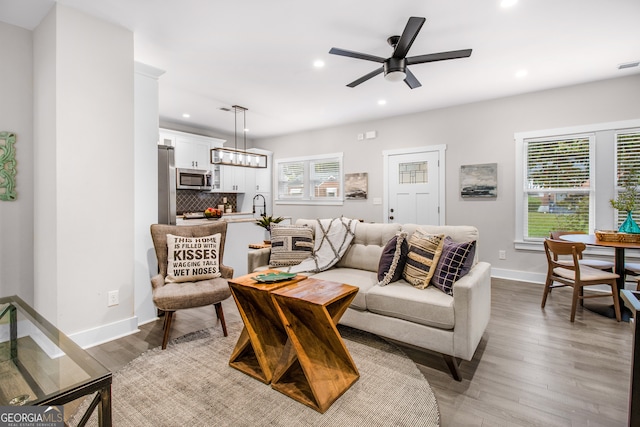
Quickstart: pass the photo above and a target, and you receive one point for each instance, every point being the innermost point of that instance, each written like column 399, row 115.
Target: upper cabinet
column 191, row 151
column 192, row 154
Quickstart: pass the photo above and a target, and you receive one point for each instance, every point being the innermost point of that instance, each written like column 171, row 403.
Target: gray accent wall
column 481, row 132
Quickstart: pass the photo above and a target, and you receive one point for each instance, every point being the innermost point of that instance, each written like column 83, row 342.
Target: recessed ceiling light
column 246, row 130
column 186, row 115
column 521, row 73
column 319, row 63
column 382, row 102
column 508, row 3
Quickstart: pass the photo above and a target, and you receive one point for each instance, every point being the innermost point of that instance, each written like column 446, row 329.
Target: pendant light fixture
column 235, row 156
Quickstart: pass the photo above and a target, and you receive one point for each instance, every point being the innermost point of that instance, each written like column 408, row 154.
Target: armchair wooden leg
column 454, row 367
column 167, row 327
column 220, row 315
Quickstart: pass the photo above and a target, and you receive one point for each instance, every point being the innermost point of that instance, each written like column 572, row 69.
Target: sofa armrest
column 472, row 306
column 258, row 258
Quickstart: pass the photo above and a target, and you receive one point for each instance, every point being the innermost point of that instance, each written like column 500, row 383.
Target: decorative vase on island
column 629, row 225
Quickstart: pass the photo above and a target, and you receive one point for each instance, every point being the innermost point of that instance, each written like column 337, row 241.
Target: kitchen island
column 241, row 231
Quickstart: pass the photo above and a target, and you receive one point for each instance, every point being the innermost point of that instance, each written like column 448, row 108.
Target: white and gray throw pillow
column 290, row 245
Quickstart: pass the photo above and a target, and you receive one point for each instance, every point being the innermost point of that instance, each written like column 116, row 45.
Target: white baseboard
column 106, row 333
column 521, row 276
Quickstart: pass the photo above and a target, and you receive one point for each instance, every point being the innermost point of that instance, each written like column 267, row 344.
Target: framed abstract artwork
column 479, row 181
column 355, row 185
column 7, row 166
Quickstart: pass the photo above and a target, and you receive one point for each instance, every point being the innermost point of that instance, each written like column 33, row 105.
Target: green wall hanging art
column 7, row 166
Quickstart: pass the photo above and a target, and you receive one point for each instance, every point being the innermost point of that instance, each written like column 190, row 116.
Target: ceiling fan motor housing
column 393, row 65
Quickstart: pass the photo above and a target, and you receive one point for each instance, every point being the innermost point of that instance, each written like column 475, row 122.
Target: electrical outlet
column 113, row 298
column 502, row 254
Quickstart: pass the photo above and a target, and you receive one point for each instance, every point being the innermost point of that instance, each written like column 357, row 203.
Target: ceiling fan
column 395, row 67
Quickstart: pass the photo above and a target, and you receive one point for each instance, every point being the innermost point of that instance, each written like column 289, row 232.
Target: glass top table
column 40, row 365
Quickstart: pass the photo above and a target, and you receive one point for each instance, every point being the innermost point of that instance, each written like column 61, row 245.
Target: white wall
column 475, row 133
column 84, row 97
column 146, row 187
column 16, row 115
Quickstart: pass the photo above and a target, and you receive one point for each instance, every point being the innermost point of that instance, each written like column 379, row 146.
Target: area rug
column 191, row 384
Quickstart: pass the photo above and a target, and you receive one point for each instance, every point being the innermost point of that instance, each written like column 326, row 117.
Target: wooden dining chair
column 595, row 263
column 632, row 269
column 576, row 275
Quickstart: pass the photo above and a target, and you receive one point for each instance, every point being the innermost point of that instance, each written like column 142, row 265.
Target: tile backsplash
column 198, row 201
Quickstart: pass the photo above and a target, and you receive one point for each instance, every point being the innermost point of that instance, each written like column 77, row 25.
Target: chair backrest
column 556, row 248
column 159, row 236
column 555, row 235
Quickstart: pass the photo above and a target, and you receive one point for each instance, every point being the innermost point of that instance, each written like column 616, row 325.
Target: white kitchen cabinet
column 258, row 181
column 233, row 179
column 263, row 179
column 192, row 154
column 191, row 151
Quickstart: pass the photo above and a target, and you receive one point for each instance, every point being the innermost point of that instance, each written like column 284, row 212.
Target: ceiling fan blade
column 408, row 36
column 411, row 80
column 432, row 57
column 366, row 77
column 357, row 55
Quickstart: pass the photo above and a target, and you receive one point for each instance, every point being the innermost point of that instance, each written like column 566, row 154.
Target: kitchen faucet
column 264, row 204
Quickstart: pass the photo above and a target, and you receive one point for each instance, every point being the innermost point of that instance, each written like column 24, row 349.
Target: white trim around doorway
column 441, row 148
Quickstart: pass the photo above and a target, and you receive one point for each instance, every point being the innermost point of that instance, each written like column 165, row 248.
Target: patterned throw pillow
column 455, row 262
column 290, row 245
column 190, row 259
column 424, row 252
column 392, row 260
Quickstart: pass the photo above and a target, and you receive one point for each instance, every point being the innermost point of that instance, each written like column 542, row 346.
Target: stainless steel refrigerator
column 166, row 185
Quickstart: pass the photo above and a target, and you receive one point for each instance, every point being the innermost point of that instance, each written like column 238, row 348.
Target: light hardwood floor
column 533, row 367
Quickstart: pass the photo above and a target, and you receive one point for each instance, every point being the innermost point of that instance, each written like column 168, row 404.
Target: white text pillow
column 190, row 259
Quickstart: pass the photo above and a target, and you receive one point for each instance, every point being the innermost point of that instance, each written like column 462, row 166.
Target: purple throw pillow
column 455, row 262
column 392, row 260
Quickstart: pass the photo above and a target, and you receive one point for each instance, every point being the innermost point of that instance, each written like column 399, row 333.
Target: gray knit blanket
column 332, row 238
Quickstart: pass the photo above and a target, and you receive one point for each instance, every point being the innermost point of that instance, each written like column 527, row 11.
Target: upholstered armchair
column 179, row 284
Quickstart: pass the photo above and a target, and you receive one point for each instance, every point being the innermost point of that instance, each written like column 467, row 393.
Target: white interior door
column 414, row 188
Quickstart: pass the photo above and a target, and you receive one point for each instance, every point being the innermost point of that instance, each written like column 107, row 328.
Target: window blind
column 627, row 165
column 557, row 185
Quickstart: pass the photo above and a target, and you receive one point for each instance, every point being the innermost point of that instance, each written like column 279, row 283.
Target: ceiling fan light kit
column 395, row 67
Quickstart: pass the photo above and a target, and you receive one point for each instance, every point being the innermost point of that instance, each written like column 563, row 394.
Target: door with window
column 413, row 182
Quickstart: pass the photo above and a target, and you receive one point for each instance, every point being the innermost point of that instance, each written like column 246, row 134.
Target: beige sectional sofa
column 426, row 318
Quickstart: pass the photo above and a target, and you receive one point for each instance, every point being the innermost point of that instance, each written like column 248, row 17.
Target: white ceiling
column 259, row 54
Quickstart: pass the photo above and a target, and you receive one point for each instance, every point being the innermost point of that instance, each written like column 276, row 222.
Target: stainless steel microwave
column 193, row 179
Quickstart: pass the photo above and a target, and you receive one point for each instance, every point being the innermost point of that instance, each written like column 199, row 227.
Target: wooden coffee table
column 316, row 367
column 263, row 337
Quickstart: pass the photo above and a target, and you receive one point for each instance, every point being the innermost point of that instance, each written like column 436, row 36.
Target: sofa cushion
column 364, row 280
column 422, row 260
column 366, row 248
column 290, row 245
column 393, row 259
column 429, row 306
column 190, row 259
column 455, row 262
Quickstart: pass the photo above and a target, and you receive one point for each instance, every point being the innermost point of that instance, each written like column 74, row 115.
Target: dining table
column 619, row 269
